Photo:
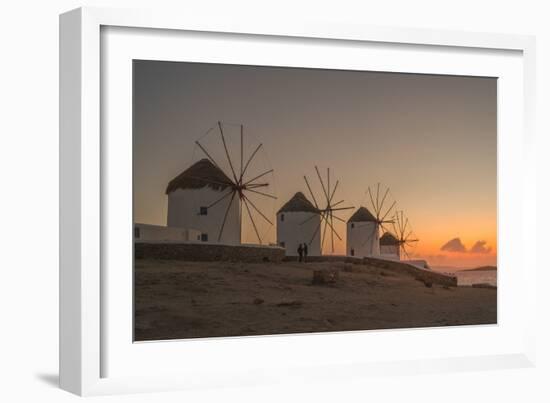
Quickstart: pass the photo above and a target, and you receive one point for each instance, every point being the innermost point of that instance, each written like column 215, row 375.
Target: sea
column 473, row 277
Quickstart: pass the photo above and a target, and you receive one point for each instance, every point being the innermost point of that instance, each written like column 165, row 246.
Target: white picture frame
column 96, row 356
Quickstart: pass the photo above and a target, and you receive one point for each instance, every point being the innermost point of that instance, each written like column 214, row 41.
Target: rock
column 426, row 283
column 258, row 301
column 325, row 276
column 290, row 303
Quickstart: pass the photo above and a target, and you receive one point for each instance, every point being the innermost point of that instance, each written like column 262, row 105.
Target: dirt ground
column 177, row 300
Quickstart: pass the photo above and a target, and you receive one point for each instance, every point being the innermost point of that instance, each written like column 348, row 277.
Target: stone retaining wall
column 207, row 252
column 425, row 275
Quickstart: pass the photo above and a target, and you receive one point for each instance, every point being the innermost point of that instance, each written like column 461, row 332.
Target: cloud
column 480, row 247
column 454, row 245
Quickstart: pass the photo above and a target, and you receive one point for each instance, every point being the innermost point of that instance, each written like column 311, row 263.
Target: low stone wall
column 207, row 252
column 424, row 275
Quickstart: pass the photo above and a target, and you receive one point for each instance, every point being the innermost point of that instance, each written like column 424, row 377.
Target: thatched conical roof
column 200, row 174
column 388, row 239
column 298, row 203
column 361, row 215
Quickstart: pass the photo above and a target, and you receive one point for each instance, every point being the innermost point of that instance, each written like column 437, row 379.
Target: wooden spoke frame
column 403, row 232
column 240, row 185
column 378, row 197
column 327, row 213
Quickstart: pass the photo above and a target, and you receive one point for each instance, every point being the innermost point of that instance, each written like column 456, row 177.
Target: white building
column 160, row 233
column 298, row 222
column 389, row 246
column 362, row 234
column 191, row 196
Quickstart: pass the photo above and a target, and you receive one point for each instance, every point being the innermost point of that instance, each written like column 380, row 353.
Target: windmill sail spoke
column 369, row 238
column 384, row 229
column 257, row 185
column 259, row 176
column 371, row 198
column 311, row 217
column 257, row 209
column 211, row 181
column 220, row 199
column 227, row 153
column 311, row 193
column 334, row 191
column 324, row 233
column 398, row 225
column 328, row 186
column 249, row 160
column 261, row 193
column 326, row 218
column 225, row 216
column 377, row 209
column 332, row 232
column 316, row 229
column 394, row 229
column 208, row 155
column 387, row 212
column 242, row 153
column 322, row 184
column 406, row 253
column 342, row 208
column 337, row 203
column 338, row 218
column 252, row 220
column 384, row 198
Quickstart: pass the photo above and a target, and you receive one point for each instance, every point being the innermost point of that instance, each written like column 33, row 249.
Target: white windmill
column 406, row 238
column 327, row 210
column 210, row 195
column 363, row 227
column 297, row 220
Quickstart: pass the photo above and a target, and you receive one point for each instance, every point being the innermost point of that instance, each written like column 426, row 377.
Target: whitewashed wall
column 363, row 239
column 184, row 207
column 149, row 232
column 292, row 232
column 389, row 251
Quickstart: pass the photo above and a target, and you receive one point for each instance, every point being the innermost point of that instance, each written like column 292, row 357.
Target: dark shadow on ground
column 50, row 379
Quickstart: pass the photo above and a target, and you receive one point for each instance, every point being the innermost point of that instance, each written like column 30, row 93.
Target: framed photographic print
column 247, row 199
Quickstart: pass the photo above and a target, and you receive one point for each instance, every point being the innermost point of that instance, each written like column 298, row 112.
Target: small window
column 282, row 244
column 203, row 210
column 198, row 237
column 352, row 252
column 352, row 225
column 136, row 232
column 282, row 217
column 204, row 237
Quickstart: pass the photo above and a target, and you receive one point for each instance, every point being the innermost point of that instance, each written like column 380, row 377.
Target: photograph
column 273, row 200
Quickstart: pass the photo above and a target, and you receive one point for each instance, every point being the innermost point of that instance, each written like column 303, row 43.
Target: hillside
column 482, row 268
column 178, row 299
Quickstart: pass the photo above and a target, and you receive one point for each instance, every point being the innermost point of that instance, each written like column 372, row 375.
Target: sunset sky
column 431, row 139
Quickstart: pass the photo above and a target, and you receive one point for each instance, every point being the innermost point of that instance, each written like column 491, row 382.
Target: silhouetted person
column 300, row 252
column 305, row 252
